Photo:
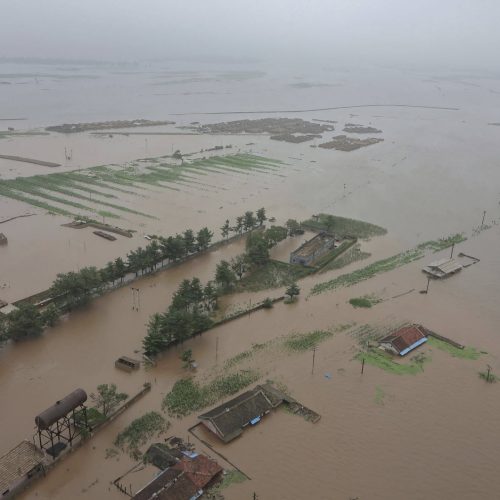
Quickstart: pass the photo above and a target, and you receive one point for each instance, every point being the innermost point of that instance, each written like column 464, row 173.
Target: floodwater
column 381, row 436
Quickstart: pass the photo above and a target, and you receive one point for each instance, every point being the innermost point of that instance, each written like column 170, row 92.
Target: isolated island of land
column 344, row 143
column 355, row 128
column 274, row 126
column 296, row 139
column 68, row 128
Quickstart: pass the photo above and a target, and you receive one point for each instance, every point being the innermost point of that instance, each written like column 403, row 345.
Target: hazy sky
column 451, row 32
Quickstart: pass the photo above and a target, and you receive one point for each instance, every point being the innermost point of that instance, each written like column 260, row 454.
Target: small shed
column 127, row 364
column 443, row 268
column 403, row 340
column 22, row 463
column 228, row 420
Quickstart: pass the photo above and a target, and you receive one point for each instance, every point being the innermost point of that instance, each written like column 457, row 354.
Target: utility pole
column 314, row 356
column 484, row 215
column 428, row 281
column 452, row 248
column 362, row 366
column 135, row 293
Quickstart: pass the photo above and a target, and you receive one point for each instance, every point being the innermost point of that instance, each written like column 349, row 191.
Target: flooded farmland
column 382, row 435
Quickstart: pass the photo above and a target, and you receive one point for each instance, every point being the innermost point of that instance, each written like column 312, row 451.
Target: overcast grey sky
column 453, row 32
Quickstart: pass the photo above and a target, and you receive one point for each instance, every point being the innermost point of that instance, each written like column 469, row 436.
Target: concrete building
column 313, row 249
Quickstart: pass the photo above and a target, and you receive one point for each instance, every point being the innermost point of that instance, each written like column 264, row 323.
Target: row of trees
column 190, row 310
column 75, row 288
column 187, row 315
column 27, row 322
column 244, row 223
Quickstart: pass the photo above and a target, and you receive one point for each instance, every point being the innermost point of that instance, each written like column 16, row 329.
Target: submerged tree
column 24, row 322
column 292, row 291
column 249, row 220
column 120, row 269
column 204, row 238
column 50, row 315
column 187, row 358
column 257, row 249
column 261, row 216
column 293, row 227
column 107, row 398
column 239, row 265
column 225, row 229
column 224, row 275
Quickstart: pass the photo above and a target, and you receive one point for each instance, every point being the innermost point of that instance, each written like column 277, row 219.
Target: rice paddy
column 97, row 190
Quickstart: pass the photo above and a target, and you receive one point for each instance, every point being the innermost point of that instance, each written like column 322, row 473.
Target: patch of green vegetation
column 273, row 274
column 230, row 477
column 385, row 361
column 94, row 417
column 343, row 226
column 365, row 301
column 187, row 395
column 378, row 267
column 442, row 243
column 140, row 431
column 465, row 353
column 74, row 186
column 351, row 255
column 489, row 377
column 333, row 254
column 388, row 264
column 242, row 356
column 379, row 396
column 300, row 342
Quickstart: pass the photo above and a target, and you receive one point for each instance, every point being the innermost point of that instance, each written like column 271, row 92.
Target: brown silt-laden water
column 382, row 435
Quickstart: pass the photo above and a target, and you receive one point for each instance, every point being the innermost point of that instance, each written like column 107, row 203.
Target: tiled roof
column 18, row 462
column 230, row 417
column 404, row 337
column 200, row 470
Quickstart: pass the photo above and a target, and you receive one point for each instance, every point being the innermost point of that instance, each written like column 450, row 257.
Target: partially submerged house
column 3, row 239
column 313, row 249
column 127, row 364
column 229, row 420
column 18, row 467
column 404, row 339
column 185, row 480
column 442, row 268
column 162, row 456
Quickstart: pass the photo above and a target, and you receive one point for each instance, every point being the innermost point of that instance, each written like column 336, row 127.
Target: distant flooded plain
column 434, row 175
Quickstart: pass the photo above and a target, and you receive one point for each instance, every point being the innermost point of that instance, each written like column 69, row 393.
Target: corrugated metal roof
column 446, row 265
column 15, row 464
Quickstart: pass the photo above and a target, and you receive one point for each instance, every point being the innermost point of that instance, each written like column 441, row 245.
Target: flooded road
column 381, row 436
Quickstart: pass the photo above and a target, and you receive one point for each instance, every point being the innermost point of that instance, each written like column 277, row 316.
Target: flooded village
column 240, row 280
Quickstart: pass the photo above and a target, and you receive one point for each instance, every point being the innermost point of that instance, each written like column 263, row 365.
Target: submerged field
column 109, row 190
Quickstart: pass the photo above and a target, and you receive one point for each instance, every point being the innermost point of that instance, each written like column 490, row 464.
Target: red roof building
column 404, row 339
column 183, row 481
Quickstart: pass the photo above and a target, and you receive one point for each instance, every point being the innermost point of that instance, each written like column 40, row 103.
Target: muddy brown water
column 381, row 436
column 440, row 421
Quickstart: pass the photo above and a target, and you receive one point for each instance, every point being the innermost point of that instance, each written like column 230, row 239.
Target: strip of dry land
column 69, row 128
column 30, row 160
